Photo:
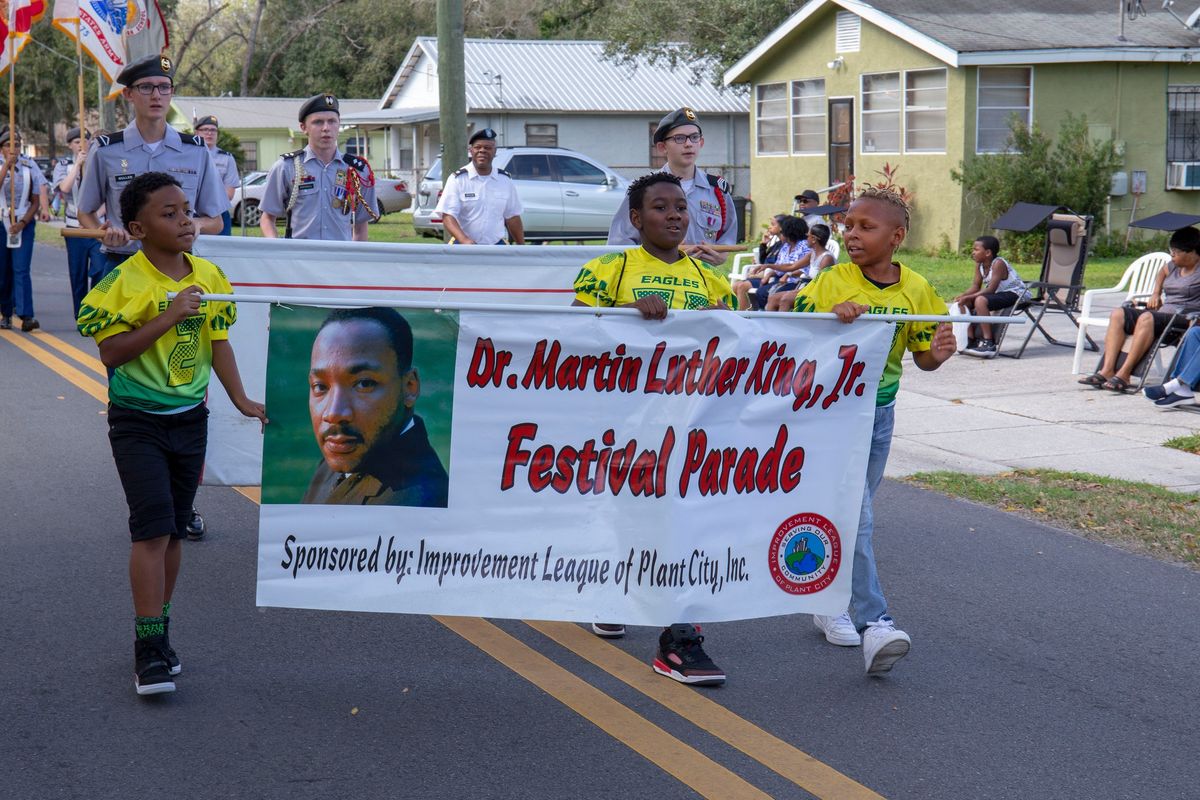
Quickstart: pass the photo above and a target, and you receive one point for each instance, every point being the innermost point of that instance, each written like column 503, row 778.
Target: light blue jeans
column 867, row 603
column 1187, row 368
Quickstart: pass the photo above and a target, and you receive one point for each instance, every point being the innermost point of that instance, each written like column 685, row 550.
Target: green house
column 844, row 87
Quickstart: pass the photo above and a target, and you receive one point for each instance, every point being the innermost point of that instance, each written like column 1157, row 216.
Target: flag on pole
column 113, row 32
column 20, row 16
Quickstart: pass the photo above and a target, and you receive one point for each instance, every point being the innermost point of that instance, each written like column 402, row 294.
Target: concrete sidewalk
column 987, row 416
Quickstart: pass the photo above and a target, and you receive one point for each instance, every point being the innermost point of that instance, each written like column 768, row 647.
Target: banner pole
column 79, row 85
column 12, row 117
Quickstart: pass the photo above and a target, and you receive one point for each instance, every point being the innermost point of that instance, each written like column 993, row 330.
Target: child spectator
column 817, row 259
column 876, row 224
column 658, row 209
column 768, row 253
column 160, row 355
column 786, row 271
column 996, row 285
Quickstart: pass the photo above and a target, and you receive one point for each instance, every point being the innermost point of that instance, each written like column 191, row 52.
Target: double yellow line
column 696, row 770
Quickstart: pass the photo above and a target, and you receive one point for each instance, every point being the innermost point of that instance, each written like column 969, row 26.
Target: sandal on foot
column 1115, row 384
column 1095, row 380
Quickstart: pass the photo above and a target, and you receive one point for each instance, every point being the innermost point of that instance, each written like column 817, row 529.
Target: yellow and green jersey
column 912, row 294
column 172, row 373
column 616, row 279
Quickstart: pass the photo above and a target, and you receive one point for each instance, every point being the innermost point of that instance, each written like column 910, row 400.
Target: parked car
column 565, row 194
column 391, row 195
column 246, row 198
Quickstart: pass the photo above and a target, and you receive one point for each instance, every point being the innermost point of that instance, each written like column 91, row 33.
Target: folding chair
column 1170, row 337
column 1061, row 281
column 1137, row 283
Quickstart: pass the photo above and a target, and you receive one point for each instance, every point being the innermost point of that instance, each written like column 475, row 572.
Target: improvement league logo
column 805, row 554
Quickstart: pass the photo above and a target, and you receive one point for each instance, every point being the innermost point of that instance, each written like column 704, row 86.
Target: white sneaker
column 883, row 646
column 838, row 630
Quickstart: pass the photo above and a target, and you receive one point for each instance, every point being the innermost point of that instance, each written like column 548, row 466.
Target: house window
column 1002, row 92
column 406, row 159
column 657, row 160
column 1183, row 123
column 881, row 113
column 849, row 32
column 925, row 111
column 771, row 118
column 249, row 156
column 808, row 117
column 357, row 146
column 541, row 135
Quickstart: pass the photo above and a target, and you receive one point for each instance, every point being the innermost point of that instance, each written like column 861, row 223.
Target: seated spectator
column 1176, row 289
column 802, row 203
column 996, row 285
column 768, row 252
column 1184, row 379
column 817, row 259
column 785, row 273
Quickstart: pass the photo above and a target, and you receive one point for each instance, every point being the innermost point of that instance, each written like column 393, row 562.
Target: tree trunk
column 250, row 47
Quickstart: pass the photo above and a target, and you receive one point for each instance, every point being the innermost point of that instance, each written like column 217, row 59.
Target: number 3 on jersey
column 181, row 365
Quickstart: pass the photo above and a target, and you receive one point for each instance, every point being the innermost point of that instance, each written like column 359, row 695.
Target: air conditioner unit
column 1183, row 175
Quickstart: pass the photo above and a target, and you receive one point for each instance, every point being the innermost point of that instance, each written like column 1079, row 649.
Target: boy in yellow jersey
column 653, row 278
column 872, row 283
column 160, row 354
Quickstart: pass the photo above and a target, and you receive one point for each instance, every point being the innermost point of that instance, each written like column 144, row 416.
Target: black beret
column 74, row 134
column 319, row 103
column 4, row 134
column 677, row 118
column 209, row 120
column 148, row 67
column 482, row 133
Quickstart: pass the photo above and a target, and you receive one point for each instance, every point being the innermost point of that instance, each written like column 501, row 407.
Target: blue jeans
column 867, row 603
column 1187, row 366
column 85, row 266
column 16, row 284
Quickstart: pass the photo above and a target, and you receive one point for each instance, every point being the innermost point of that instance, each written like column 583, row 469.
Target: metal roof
column 571, row 76
column 256, row 112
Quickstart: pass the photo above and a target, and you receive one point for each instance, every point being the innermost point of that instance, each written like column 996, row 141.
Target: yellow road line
column 690, row 766
column 251, row 493
column 56, row 364
column 86, row 359
column 770, row 751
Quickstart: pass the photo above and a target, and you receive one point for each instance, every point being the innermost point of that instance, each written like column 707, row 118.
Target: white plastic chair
column 740, row 263
column 834, row 249
column 1137, row 283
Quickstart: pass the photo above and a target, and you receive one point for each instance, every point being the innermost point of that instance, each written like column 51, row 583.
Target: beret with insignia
column 74, row 134
column 148, row 67
column 209, row 120
column 319, row 103
column 676, row 119
column 482, row 133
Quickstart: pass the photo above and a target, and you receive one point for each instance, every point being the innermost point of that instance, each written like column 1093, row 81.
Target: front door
column 841, row 139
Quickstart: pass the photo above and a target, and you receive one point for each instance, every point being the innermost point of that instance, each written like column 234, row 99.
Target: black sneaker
column 195, row 527
column 6, row 323
column 151, row 673
column 608, row 630
column 168, row 653
column 681, row 657
column 29, row 324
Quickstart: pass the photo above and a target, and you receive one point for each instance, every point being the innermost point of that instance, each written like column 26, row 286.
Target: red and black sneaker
column 681, row 657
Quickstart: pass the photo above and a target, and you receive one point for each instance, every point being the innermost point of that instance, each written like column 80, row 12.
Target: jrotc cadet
column 84, row 259
column 324, row 193
column 479, row 203
column 148, row 144
column 710, row 205
column 22, row 181
column 208, row 129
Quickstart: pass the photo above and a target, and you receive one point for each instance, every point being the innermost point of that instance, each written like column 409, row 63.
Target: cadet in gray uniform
column 84, row 259
column 479, row 203
column 208, row 130
column 710, row 204
column 148, row 144
column 20, row 179
column 324, row 193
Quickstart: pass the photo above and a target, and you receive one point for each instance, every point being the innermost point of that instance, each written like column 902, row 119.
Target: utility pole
column 452, row 86
column 104, row 106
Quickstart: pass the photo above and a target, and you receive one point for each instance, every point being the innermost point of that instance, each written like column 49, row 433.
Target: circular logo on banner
column 805, row 554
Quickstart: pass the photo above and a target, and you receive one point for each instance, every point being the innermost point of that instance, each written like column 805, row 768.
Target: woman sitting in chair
column 1176, row 290
column 768, row 252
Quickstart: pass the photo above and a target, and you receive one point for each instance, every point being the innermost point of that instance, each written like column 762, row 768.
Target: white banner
column 574, row 466
column 421, row 272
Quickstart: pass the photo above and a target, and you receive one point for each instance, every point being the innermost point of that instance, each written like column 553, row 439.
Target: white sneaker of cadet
column 838, row 630
column 883, row 646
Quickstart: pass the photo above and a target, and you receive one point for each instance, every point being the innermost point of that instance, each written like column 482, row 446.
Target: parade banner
column 565, row 465
column 432, row 273
column 16, row 21
column 106, row 28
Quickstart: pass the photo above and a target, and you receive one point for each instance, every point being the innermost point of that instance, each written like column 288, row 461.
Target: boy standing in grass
column 161, row 353
column 872, row 283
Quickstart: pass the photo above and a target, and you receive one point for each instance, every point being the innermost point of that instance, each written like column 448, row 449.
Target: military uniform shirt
column 704, row 215
column 114, row 161
column 226, row 168
column 29, row 181
column 61, row 168
column 317, row 213
column 481, row 203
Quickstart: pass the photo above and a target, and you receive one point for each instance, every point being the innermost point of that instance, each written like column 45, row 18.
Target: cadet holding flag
column 324, row 193
column 84, row 259
column 208, row 130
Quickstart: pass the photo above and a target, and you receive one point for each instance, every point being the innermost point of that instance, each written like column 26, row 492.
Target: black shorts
column 1161, row 318
column 159, row 458
column 999, row 300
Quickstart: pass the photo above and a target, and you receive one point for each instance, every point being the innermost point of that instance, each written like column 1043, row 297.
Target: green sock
column 146, row 627
column 166, row 609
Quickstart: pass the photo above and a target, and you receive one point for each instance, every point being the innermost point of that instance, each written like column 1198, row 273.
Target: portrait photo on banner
column 361, row 402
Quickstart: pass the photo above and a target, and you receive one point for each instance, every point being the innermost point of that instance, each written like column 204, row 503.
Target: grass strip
column 1139, row 517
column 1189, row 444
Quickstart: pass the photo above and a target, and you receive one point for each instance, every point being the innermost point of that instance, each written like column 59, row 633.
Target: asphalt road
column 1043, row 665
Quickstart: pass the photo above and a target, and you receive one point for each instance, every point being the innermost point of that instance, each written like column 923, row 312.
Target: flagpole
column 12, row 118
column 79, row 85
